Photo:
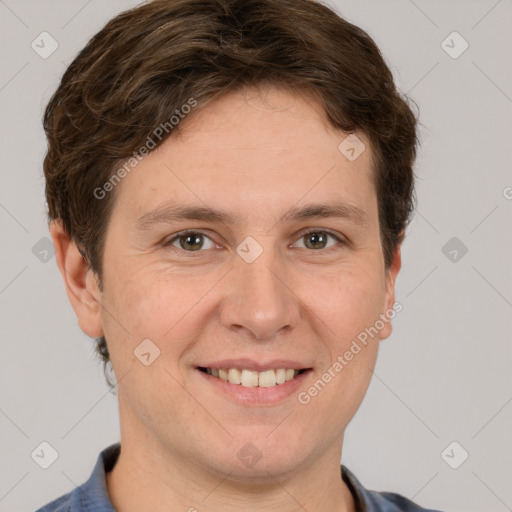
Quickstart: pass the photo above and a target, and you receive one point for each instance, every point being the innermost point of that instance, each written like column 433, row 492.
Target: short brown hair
column 147, row 62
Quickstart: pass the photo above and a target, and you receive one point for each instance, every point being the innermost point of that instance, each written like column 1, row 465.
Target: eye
column 318, row 239
column 190, row 241
column 194, row 241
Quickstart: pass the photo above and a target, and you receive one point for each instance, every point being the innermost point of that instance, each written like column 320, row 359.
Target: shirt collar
column 93, row 496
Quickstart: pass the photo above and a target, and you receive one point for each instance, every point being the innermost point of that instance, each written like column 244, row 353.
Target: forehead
column 253, row 150
column 270, row 118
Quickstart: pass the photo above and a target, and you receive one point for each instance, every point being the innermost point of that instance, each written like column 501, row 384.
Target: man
column 228, row 186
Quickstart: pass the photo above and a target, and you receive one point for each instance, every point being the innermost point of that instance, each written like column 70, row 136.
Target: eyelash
column 177, row 236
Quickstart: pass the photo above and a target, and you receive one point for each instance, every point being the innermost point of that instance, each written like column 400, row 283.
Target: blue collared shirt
column 92, row 496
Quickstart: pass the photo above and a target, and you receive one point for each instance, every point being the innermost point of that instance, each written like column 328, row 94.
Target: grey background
column 443, row 376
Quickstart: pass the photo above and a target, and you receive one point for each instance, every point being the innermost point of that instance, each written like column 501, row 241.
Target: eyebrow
column 172, row 213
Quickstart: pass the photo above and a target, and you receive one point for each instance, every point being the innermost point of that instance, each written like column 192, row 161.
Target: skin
column 256, row 153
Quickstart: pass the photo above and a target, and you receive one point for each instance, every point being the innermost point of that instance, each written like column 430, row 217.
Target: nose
column 259, row 299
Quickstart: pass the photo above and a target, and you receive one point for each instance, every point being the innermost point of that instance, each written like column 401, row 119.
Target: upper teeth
column 251, row 378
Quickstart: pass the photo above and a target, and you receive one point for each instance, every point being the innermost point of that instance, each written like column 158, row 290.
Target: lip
column 255, row 366
column 255, row 396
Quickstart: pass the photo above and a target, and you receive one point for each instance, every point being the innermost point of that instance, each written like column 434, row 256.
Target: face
column 247, row 241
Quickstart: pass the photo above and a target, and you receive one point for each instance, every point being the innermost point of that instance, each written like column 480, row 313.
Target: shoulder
column 374, row 501
column 91, row 496
column 392, row 502
column 62, row 504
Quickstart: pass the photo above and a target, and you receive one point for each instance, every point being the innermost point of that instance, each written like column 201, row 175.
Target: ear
column 389, row 300
column 81, row 283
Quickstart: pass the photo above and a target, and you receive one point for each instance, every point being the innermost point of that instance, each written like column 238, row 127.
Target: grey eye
column 318, row 239
column 191, row 241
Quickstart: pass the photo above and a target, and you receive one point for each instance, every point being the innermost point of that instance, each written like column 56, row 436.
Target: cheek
column 349, row 306
column 158, row 306
column 345, row 301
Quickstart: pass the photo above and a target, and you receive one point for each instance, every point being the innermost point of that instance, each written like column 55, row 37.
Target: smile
column 250, row 378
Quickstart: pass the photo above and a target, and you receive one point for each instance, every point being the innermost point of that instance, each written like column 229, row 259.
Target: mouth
column 251, row 378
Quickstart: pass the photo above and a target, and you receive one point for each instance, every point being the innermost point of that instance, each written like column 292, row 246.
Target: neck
column 147, row 477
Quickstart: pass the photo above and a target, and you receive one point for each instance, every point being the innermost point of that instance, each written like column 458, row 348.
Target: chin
column 250, row 457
